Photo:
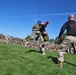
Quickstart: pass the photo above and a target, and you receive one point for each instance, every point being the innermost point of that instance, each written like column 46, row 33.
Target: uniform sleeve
column 46, row 23
column 63, row 29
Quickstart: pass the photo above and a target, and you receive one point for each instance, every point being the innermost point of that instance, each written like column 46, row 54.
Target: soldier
column 42, row 28
column 70, row 37
column 43, row 43
column 36, row 30
column 28, row 38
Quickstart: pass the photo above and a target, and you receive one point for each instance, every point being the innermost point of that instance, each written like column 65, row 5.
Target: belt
column 71, row 35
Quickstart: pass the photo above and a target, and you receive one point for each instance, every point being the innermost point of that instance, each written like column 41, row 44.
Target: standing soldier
column 70, row 37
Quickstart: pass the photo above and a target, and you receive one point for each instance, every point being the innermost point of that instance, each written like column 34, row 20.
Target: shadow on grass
column 70, row 63
column 54, row 59
column 33, row 51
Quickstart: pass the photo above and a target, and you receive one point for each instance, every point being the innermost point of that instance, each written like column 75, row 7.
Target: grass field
column 17, row 60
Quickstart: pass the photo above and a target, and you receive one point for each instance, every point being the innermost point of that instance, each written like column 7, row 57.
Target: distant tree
column 51, row 40
column 2, row 36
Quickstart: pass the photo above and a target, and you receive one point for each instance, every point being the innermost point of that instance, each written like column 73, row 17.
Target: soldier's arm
column 45, row 24
column 62, row 29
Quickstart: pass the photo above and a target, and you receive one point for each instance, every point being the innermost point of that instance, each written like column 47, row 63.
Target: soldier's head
column 71, row 17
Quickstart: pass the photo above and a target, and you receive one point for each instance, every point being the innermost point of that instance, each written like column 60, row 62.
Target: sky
column 17, row 17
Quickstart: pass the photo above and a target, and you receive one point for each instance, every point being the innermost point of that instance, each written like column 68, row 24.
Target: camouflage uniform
column 60, row 58
column 43, row 44
column 67, row 42
column 70, row 38
column 36, row 32
column 42, row 48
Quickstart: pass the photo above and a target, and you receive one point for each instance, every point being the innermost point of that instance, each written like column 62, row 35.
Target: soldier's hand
column 58, row 40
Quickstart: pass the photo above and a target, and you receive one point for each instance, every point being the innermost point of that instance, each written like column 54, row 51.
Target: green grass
column 17, row 60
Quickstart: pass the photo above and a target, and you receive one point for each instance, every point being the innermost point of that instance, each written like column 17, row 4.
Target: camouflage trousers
column 35, row 33
column 61, row 56
column 69, row 41
column 43, row 47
